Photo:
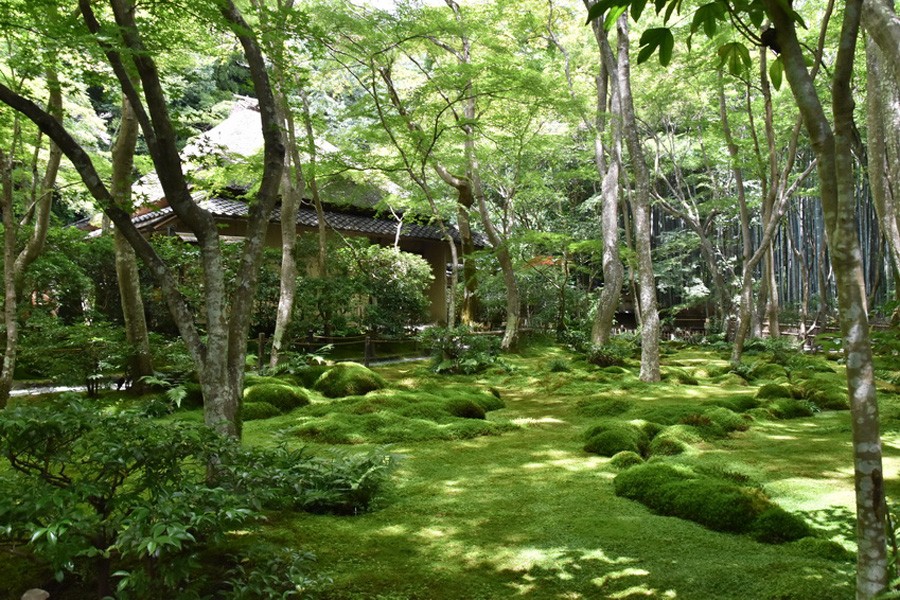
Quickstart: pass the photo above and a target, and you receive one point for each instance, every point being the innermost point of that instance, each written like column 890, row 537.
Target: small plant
column 614, row 353
column 459, row 349
column 559, row 365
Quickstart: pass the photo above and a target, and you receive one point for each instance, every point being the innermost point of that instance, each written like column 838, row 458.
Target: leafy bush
column 115, row 489
column 679, row 376
column 348, row 379
column 614, row 353
column 626, row 459
column 283, row 397
column 255, row 411
column 459, row 350
column 773, row 390
column 559, row 365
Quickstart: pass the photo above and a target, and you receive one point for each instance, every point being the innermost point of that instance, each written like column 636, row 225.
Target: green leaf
column 657, row 37
column 707, row 16
column 598, row 9
column 637, row 8
column 736, row 56
column 612, row 16
column 776, row 70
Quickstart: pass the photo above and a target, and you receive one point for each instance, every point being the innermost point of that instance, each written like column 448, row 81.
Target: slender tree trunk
column 15, row 266
column 608, row 170
column 140, row 362
column 836, row 183
column 640, row 208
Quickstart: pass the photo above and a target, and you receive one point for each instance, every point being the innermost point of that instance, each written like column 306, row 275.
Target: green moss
column 643, row 481
column 348, row 379
column 727, row 420
column 820, row 548
column 738, row 404
column 254, row 411
column 464, row 408
column 730, row 380
column 777, row 526
column 773, row 390
column 761, row 371
column 789, row 408
column 610, row 437
column 604, row 407
column 307, row 376
column 625, row 460
column 284, row 397
column 251, row 379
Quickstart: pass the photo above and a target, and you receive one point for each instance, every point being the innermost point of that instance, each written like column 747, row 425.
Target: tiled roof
column 306, row 217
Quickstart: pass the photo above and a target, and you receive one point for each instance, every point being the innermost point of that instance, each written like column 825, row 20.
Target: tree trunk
column 836, row 182
column 608, row 170
column 15, row 266
column 640, row 208
column 140, row 362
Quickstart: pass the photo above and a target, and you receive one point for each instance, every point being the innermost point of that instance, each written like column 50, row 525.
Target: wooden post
column 367, row 357
column 260, row 359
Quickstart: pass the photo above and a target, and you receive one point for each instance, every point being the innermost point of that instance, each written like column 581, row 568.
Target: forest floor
column 525, row 512
column 529, row 514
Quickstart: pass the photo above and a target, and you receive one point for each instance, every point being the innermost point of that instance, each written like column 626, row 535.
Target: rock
column 36, row 594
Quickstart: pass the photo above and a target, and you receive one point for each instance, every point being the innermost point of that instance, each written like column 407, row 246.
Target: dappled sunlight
column 537, row 421
column 808, row 494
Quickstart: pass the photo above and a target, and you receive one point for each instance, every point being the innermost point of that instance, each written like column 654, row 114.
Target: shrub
column 773, row 390
column 614, row 353
column 777, row 526
column 679, row 376
column 348, row 379
column 559, row 365
column 255, row 411
column 284, row 397
column 87, row 481
column 459, row 349
column 626, row 459
column 464, row 408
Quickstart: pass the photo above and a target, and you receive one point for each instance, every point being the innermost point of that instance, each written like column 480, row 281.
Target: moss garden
column 548, row 477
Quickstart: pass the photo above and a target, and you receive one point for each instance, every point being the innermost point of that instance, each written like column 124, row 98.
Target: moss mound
column 673, row 440
column 464, row 408
column 738, row 404
column 391, row 415
column 603, row 407
column 717, row 504
column 828, row 391
column 607, row 438
column 790, row 408
column 626, row 459
column 819, row 548
column 308, row 375
column 348, row 379
column 283, row 397
column 255, row 411
column 777, row 526
column 773, row 390
column 251, row 379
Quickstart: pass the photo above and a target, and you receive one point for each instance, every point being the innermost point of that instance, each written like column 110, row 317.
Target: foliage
column 459, row 349
column 615, row 353
column 113, row 488
column 283, row 397
column 68, row 354
column 348, row 379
